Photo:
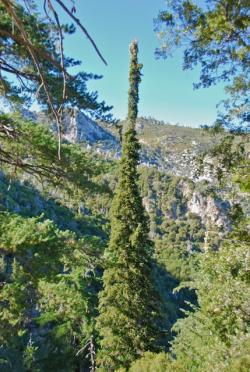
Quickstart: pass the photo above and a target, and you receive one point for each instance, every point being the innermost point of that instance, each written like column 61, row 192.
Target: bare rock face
column 139, row 126
column 209, row 210
column 184, row 188
column 213, row 211
column 79, row 128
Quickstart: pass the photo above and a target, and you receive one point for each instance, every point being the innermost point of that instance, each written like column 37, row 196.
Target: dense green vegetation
column 216, row 37
column 130, row 304
column 29, row 239
column 148, row 283
column 82, row 213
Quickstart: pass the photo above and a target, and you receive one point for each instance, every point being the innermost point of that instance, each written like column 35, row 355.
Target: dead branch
column 10, row 132
column 33, row 55
column 61, row 52
column 82, row 28
column 91, row 353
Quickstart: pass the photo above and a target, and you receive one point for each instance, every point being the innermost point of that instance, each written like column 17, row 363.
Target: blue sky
column 166, row 91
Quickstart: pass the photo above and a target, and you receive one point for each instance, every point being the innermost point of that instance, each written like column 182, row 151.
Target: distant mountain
column 168, row 147
column 77, row 128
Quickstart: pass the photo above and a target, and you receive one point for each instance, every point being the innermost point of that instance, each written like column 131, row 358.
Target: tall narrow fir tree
column 129, row 303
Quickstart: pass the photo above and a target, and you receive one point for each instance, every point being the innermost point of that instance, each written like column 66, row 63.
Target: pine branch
column 37, row 50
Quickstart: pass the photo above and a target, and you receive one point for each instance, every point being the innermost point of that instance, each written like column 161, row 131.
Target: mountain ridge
column 169, row 147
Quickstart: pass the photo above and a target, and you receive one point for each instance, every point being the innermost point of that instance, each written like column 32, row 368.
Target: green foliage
column 216, row 336
column 230, row 162
column 48, row 291
column 65, row 304
column 43, row 34
column 134, row 81
column 178, row 235
column 31, row 148
column 217, row 37
column 129, row 303
column 29, row 356
column 50, row 275
column 50, row 271
column 151, row 362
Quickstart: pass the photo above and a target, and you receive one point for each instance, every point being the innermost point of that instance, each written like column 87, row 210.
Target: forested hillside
column 124, row 246
column 77, row 219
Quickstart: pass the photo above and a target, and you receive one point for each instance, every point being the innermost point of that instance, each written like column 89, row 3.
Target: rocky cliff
column 78, row 128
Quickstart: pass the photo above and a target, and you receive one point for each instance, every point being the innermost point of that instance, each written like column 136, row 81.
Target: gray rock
column 81, row 128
